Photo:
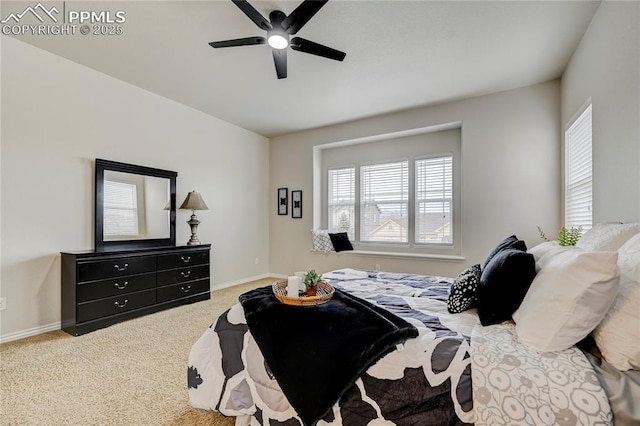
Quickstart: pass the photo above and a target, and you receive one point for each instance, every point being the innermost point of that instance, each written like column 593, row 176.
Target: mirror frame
column 100, row 244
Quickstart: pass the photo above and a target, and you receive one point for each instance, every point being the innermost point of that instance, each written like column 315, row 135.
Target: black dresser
column 103, row 288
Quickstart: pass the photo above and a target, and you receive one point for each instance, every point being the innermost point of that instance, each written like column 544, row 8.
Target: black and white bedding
column 454, row 371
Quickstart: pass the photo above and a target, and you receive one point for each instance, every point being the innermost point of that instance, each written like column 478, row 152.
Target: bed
column 456, row 368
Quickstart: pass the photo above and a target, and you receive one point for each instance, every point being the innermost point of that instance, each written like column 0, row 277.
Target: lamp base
column 193, row 241
column 193, row 223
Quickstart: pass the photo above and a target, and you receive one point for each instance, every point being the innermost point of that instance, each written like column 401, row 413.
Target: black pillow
column 464, row 290
column 340, row 241
column 503, row 284
column 511, row 242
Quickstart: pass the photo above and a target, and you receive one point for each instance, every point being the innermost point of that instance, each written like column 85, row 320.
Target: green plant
column 566, row 237
column 312, row 278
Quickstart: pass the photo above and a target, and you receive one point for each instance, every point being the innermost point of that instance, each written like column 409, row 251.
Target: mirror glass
column 135, row 206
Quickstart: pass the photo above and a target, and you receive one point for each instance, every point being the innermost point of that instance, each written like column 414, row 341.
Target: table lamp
column 193, row 202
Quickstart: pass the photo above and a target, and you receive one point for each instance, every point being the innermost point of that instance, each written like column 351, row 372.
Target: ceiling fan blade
column 280, row 59
column 247, row 41
column 301, row 15
column 308, row 46
column 253, row 14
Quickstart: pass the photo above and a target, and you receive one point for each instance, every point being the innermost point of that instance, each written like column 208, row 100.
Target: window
column 120, row 209
column 434, row 200
column 385, row 194
column 397, row 193
column 579, row 172
column 341, row 200
column 384, row 199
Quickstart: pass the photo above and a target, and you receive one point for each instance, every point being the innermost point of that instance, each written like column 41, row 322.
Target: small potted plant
column 566, row 237
column 311, row 281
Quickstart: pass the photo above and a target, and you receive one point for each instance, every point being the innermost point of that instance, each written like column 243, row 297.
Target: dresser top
column 139, row 251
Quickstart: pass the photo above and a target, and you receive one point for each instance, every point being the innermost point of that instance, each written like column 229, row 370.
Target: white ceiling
column 400, row 55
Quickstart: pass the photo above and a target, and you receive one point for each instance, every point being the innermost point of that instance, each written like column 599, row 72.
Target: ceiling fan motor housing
column 279, row 28
column 277, row 37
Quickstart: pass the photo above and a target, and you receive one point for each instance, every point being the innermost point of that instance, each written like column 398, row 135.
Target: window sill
column 439, row 257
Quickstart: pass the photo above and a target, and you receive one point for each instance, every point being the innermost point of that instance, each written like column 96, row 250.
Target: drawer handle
column 121, row 268
column 185, row 274
column 123, row 286
column 185, row 259
column 186, row 290
column 121, row 305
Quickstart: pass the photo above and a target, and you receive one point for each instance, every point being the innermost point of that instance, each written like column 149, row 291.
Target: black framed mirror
column 135, row 206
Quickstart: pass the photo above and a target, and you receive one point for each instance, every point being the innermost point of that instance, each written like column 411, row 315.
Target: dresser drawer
column 183, row 259
column 175, row 276
column 115, row 267
column 115, row 286
column 101, row 288
column 114, row 305
column 177, row 291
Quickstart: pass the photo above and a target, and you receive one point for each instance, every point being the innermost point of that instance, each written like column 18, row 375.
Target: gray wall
column 510, row 177
column 57, row 117
column 606, row 68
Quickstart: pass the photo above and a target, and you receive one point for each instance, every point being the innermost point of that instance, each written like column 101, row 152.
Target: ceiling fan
column 279, row 27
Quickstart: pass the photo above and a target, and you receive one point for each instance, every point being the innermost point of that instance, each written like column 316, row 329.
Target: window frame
column 353, row 232
column 415, row 200
column 360, row 203
column 568, row 187
column 431, row 144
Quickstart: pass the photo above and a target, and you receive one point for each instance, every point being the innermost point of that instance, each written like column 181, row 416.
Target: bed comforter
column 426, row 381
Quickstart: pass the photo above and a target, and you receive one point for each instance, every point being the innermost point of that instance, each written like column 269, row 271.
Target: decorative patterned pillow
column 464, row 291
column 321, row 240
column 607, row 236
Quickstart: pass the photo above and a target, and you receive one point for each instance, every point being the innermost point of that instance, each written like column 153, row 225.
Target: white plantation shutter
column 120, row 209
column 434, row 200
column 399, row 194
column 579, row 173
column 342, row 200
column 384, row 197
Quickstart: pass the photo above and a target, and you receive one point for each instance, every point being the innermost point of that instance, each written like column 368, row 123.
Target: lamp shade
column 194, row 201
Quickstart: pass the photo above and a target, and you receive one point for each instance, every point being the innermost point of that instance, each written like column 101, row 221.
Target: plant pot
column 311, row 290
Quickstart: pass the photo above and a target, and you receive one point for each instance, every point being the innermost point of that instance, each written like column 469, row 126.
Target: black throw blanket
column 317, row 352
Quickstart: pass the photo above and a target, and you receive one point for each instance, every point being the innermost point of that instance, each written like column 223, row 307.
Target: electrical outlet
column 257, row 260
column 378, row 267
column 3, row 303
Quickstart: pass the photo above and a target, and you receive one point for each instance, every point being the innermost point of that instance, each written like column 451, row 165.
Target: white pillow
column 567, row 299
column 618, row 335
column 542, row 248
column 321, row 240
column 607, row 236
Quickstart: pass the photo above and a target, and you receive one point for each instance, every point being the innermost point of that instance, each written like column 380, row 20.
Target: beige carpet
column 132, row 373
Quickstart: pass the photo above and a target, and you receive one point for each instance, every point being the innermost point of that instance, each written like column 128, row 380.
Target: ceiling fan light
column 277, row 41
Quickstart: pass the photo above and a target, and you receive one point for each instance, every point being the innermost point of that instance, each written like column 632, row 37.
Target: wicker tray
column 324, row 293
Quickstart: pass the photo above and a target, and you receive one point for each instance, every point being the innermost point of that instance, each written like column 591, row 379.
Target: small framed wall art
column 296, row 204
column 283, row 201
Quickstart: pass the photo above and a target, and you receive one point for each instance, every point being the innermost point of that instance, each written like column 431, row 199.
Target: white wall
column 606, row 68
column 510, row 177
column 57, row 117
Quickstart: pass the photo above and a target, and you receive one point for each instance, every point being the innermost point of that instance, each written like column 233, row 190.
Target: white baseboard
column 58, row 325
column 30, row 332
column 246, row 280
